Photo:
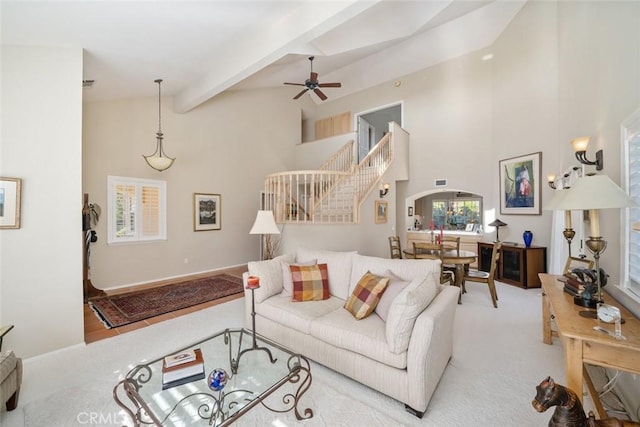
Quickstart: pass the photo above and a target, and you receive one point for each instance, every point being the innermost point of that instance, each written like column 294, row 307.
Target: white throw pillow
column 395, row 286
column 338, row 267
column 270, row 274
column 404, row 311
column 287, row 283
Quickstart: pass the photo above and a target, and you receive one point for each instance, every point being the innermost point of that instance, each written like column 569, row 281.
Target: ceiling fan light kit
column 313, row 84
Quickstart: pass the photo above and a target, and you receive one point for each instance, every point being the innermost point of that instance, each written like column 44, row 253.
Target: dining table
column 459, row 258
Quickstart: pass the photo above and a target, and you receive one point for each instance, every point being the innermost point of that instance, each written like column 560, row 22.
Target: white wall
column 559, row 70
column 41, row 263
column 225, row 146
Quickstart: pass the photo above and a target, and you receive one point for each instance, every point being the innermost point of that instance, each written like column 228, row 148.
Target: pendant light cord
column 159, row 81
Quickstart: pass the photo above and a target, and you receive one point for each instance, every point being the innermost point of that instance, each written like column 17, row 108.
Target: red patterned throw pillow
column 366, row 295
column 310, row 282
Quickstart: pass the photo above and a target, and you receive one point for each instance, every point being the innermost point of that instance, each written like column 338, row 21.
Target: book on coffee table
column 179, row 358
column 184, row 372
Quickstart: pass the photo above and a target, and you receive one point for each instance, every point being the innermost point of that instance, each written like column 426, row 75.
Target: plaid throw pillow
column 366, row 295
column 310, row 282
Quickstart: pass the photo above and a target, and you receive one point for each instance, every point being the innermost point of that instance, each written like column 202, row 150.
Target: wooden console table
column 582, row 344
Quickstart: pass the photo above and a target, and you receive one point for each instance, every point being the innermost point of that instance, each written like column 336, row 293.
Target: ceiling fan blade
column 295, row 84
column 330, row 85
column 320, row 94
column 313, row 77
column 300, row 94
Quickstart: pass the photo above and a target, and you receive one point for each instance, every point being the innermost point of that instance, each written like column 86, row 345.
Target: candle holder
column 596, row 246
column 569, row 234
column 253, row 283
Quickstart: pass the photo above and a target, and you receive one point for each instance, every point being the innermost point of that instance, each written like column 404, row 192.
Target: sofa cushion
column 270, row 274
column 366, row 337
column 310, row 283
column 365, row 296
column 406, row 269
column 296, row 315
column 404, row 310
column 395, row 286
column 287, row 283
column 338, row 264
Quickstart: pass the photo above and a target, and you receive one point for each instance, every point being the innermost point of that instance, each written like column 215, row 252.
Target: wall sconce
column 384, row 189
column 580, row 147
column 551, row 180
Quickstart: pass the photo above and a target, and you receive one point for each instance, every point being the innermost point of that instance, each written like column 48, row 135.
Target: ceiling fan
column 313, row 84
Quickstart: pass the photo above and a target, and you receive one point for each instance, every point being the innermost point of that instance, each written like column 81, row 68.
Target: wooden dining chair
column 450, row 243
column 427, row 250
column 479, row 276
column 394, row 247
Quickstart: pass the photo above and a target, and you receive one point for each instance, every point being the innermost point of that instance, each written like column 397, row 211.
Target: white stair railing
column 332, row 194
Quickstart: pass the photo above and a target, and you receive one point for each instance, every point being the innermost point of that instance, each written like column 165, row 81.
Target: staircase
column 332, row 194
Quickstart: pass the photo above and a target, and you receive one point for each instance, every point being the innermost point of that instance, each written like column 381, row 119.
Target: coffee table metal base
column 219, row 408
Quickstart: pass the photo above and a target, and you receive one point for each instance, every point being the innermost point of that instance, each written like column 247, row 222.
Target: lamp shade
column 580, row 144
column 264, row 224
column 591, row 192
column 159, row 163
column 497, row 223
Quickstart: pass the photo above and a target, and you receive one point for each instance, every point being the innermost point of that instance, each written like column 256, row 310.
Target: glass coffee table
column 255, row 367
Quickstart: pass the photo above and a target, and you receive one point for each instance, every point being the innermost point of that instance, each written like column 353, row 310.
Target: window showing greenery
column 455, row 214
column 137, row 210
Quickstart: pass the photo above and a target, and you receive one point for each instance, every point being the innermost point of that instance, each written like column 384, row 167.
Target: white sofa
column 403, row 357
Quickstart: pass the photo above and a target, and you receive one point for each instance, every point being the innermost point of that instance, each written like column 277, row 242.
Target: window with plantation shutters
column 631, row 235
column 137, row 210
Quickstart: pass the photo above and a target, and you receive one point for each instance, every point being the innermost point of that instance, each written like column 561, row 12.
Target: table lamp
column 592, row 193
column 497, row 224
column 265, row 225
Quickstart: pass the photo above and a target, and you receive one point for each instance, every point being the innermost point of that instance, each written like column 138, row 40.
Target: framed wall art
column 410, row 212
column 520, row 185
column 10, row 192
column 381, row 212
column 206, row 212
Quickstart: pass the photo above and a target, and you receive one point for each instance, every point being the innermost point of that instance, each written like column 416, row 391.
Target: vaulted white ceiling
column 202, row 48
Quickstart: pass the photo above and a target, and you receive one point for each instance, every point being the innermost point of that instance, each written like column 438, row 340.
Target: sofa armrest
column 431, row 345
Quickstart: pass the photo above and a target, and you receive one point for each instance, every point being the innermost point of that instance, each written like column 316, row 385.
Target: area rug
column 122, row 309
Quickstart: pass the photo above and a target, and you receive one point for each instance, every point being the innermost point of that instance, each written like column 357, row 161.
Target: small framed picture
column 469, row 227
column 206, row 212
column 410, row 211
column 10, row 190
column 381, row 212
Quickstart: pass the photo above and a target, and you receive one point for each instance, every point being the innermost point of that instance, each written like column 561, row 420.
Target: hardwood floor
column 94, row 330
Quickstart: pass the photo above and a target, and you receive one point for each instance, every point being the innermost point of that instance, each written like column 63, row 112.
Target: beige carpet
column 498, row 360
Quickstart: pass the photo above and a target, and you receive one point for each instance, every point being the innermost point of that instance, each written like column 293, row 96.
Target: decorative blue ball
column 217, row 379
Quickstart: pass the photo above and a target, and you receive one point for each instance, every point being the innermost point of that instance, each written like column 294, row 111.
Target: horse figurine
column 569, row 411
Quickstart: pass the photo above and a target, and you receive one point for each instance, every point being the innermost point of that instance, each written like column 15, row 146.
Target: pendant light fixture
column 159, row 160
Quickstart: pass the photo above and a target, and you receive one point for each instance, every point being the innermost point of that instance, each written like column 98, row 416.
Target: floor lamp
column 592, row 193
column 265, row 225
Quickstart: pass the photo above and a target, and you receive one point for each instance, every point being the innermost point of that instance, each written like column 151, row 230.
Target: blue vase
column 528, row 237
